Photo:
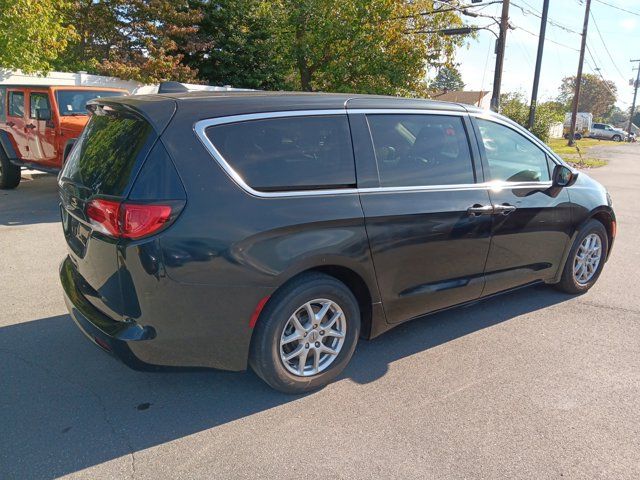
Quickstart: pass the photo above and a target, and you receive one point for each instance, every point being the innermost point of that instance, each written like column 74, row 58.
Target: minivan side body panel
column 417, row 234
column 527, row 244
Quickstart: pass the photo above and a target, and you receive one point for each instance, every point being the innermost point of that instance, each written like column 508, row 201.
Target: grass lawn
column 579, row 155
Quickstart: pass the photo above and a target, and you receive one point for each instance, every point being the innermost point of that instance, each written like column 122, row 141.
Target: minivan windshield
column 74, row 102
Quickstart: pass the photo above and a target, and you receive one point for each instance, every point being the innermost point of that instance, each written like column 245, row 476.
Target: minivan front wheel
column 586, row 259
column 306, row 334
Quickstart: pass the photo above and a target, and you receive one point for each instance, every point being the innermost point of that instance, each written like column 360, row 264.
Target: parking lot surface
column 533, row 384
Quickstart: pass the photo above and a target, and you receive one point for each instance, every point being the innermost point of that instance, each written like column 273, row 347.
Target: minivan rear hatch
column 102, row 168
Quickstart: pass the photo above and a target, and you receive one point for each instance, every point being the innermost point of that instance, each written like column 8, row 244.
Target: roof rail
column 178, row 87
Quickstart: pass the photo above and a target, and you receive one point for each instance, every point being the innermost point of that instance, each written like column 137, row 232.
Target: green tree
column 143, row 40
column 32, row 34
column 616, row 116
column 515, row 106
column 448, row 78
column 597, row 96
column 374, row 46
column 243, row 48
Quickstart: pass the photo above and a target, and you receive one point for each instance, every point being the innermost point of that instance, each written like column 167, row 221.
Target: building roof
column 457, row 96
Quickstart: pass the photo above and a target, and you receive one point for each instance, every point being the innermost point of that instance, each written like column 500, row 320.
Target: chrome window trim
column 201, row 126
column 405, row 111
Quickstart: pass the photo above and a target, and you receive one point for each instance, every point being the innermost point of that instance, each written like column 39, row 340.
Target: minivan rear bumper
column 110, row 335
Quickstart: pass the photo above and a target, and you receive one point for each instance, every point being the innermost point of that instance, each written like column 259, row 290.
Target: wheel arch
column 605, row 216
column 353, row 280
column 7, row 146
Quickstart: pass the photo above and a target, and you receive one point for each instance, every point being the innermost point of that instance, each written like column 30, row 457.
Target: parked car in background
column 38, row 125
column 273, row 230
column 608, row 132
column 583, row 125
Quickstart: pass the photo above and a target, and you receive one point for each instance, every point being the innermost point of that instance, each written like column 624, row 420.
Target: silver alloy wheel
column 312, row 337
column 587, row 259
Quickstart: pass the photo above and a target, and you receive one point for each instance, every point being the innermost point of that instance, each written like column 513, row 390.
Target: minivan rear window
column 288, row 153
column 112, row 145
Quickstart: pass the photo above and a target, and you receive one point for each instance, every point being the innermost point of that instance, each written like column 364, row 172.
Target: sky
column 620, row 33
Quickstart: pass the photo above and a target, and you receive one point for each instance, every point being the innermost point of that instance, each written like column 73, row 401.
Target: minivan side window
column 288, row 153
column 421, row 150
column 16, row 104
column 510, row 156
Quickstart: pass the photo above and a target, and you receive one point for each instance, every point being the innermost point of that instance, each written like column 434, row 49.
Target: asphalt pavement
column 534, row 384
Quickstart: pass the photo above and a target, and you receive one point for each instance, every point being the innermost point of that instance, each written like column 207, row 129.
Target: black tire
column 10, row 174
column 67, row 149
column 616, row 138
column 265, row 345
column 568, row 282
column 577, row 136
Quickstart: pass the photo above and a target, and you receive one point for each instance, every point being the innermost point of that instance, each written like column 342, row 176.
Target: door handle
column 10, row 124
column 478, row 210
column 30, row 126
column 504, row 209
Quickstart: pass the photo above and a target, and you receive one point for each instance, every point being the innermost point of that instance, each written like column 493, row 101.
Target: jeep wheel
column 10, row 174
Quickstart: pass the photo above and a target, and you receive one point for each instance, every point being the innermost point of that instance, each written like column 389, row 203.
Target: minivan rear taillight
column 130, row 220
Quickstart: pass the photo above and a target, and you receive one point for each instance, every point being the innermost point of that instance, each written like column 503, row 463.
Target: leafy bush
column 515, row 106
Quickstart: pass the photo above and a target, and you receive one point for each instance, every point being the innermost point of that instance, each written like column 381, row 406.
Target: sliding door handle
column 504, row 209
column 478, row 210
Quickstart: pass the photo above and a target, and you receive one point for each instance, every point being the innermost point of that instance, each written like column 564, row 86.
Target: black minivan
column 276, row 229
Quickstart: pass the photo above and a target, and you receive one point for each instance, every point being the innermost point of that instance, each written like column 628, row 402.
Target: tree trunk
column 305, row 75
column 301, row 60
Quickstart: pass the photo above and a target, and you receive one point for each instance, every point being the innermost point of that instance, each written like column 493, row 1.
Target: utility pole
column 576, row 95
column 635, row 95
column 536, row 75
column 502, row 41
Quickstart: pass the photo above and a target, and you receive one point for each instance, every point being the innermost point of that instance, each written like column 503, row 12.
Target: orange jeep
column 39, row 124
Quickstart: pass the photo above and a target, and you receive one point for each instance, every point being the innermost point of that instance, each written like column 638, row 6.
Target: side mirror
column 43, row 114
column 563, row 176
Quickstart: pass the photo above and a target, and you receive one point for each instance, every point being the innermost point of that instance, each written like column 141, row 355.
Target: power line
column 593, row 18
column 547, row 39
column 597, row 71
column 618, row 8
column 463, row 9
column 549, row 20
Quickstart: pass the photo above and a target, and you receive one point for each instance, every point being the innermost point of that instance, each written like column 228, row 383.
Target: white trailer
column 584, row 120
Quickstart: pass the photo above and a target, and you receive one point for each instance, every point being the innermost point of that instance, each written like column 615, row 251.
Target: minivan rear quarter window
column 288, row 153
column 416, row 150
column 112, row 145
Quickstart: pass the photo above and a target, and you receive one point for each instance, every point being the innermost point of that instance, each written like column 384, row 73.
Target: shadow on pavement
column 34, row 201
column 66, row 406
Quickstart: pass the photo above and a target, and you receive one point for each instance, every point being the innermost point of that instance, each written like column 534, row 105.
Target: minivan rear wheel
column 586, row 259
column 306, row 334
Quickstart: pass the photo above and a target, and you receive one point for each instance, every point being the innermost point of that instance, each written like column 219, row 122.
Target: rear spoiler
column 177, row 87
